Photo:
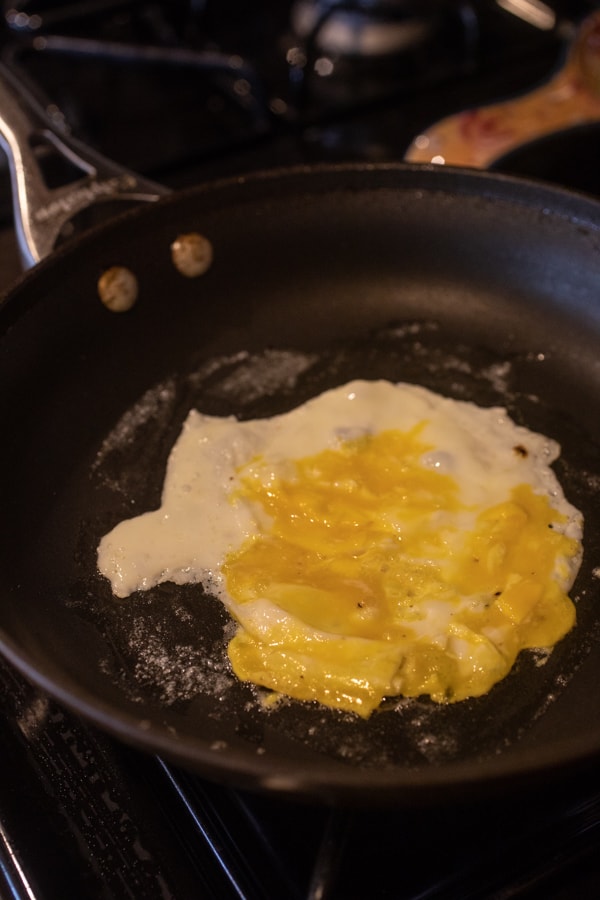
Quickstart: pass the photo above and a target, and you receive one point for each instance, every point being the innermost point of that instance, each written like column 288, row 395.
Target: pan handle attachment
column 43, row 212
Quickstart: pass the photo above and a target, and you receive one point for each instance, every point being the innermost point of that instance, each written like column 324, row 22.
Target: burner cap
column 373, row 28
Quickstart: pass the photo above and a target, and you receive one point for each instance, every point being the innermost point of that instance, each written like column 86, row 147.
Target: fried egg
column 379, row 540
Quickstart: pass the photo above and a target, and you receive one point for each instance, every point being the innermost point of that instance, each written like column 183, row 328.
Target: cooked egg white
column 378, row 540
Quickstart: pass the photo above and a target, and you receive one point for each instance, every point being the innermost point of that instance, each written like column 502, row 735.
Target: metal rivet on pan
column 192, row 254
column 118, row 288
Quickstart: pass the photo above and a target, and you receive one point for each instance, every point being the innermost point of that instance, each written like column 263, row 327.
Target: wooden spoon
column 479, row 137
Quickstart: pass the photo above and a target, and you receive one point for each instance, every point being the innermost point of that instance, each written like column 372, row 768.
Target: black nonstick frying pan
column 481, row 287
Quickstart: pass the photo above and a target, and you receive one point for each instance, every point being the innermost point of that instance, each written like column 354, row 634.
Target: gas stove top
column 185, row 91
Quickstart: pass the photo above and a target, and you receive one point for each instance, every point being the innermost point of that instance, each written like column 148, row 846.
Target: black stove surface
column 184, row 91
column 189, row 91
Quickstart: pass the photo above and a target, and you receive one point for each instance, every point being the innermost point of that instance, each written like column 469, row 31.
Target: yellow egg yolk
column 381, row 582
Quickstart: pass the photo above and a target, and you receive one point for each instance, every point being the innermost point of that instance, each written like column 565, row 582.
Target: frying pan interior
column 481, row 287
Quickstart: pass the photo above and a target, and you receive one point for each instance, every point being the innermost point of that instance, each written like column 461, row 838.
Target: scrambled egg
column 379, row 540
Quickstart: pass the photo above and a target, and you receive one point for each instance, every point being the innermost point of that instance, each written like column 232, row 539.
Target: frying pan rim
column 521, row 190
column 350, row 786
column 394, row 783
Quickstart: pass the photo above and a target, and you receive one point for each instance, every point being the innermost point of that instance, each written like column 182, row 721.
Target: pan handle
column 43, row 212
